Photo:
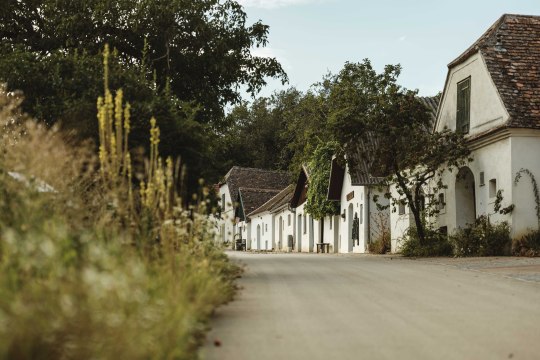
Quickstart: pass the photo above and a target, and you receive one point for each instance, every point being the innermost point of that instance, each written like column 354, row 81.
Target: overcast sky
column 312, row 37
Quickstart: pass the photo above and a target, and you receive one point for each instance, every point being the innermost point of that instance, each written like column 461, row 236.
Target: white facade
column 284, row 228
column 497, row 156
column 357, row 201
column 262, row 231
column 225, row 223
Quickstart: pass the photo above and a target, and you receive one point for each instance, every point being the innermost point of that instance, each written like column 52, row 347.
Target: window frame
column 463, row 106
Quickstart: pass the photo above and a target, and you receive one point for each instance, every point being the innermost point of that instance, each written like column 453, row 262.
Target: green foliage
column 482, row 239
column 319, row 166
column 435, row 244
column 527, row 245
column 199, row 49
column 181, row 61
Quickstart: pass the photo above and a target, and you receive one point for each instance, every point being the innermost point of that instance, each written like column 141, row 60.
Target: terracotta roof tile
column 511, row 49
column 282, row 198
column 251, row 199
column 252, row 178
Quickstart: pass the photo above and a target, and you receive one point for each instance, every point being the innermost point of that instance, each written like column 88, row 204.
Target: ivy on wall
column 319, row 166
column 535, row 190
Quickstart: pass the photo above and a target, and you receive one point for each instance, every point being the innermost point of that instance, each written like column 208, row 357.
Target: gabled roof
column 335, row 185
column 300, row 190
column 511, row 50
column 250, row 199
column 252, row 178
column 282, row 198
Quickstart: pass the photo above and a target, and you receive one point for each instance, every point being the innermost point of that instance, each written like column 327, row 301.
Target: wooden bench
column 323, row 248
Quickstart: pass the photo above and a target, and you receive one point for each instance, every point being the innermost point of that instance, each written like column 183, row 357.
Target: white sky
column 312, row 37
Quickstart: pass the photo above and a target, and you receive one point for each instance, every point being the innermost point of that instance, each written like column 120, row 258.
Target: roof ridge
column 258, row 189
column 476, row 45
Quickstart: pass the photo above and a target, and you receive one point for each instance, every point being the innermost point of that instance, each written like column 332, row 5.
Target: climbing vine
column 535, row 189
column 319, row 166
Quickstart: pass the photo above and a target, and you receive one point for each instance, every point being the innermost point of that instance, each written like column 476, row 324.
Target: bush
column 436, row 244
column 380, row 245
column 482, row 239
column 527, row 245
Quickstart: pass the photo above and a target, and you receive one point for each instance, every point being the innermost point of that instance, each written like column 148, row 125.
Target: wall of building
column 286, row 217
column 264, row 222
column 225, row 224
column 525, row 153
column 487, row 109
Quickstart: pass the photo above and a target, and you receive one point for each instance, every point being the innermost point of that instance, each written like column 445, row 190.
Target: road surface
column 308, row 306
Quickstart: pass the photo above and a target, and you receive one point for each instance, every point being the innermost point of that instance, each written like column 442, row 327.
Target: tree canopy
column 181, row 61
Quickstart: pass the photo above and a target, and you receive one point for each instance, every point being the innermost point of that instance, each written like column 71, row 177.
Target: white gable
column 487, row 109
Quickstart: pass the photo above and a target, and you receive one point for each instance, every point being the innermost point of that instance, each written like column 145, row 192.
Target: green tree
column 388, row 127
column 181, row 61
column 199, row 49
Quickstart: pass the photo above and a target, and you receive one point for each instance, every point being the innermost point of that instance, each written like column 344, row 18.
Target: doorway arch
column 465, row 197
column 350, row 228
column 280, row 236
column 299, row 236
column 258, row 237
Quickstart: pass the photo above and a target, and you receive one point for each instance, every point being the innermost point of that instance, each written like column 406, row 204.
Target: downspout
column 368, row 222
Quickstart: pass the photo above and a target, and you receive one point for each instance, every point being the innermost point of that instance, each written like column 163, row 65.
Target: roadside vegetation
column 98, row 256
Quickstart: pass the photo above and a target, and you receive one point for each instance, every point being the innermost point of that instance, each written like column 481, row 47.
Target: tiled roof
column 251, row 199
column 511, row 49
column 282, row 198
column 432, row 104
column 359, row 165
column 252, row 178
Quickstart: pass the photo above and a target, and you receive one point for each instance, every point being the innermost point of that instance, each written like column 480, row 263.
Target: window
column 463, row 111
column 361, row 213
column 401, row 208
column 265, row 227
column 223, row 202
column 331, row 222
column 492, row 188
column 482, row 179
column 441, row 203
column 289, row 220
column 305, row 227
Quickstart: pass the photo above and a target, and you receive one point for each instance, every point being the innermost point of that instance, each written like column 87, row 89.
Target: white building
column 309, row 233
column 272, row 222
column 355, row 191
column 257, row 236
column 238, row 177
column 492, row 94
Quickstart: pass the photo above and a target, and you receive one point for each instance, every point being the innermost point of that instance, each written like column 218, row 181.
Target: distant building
column 248, row 178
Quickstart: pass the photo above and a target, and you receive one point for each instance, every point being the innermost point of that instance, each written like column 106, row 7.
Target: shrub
column 436, row 244
column 482, row 239
column 527, row 245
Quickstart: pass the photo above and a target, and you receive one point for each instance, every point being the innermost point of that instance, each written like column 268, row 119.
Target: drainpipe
column 368, row 222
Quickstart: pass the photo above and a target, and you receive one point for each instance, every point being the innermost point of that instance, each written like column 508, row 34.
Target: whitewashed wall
column 286, row 217
column 225, row 225
column 263, row 221
column 487, row 108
